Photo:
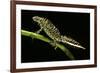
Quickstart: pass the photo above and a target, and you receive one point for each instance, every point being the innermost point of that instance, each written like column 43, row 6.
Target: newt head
column 37, row 19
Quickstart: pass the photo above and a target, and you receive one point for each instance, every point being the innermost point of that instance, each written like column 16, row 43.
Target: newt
column 48, row 27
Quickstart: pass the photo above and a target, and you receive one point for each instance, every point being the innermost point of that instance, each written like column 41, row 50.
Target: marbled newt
column 47, row 26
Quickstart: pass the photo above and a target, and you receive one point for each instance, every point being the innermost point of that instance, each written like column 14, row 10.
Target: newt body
column 53, row 32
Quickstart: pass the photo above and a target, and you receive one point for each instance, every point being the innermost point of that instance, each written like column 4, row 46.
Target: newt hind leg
column 54, row 44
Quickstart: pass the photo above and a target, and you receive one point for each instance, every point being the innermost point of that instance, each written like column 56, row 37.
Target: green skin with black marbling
column 48, row 27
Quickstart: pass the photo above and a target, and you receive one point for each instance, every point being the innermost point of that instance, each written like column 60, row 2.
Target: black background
column 74, row 25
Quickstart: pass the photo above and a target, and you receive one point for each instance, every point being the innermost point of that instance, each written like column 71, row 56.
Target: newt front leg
column 39, row 30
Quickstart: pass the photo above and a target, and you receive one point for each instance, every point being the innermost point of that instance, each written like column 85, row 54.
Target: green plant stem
column 41, row 37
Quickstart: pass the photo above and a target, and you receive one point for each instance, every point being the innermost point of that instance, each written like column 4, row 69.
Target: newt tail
column 71, row 42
